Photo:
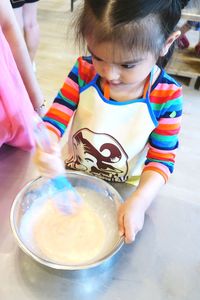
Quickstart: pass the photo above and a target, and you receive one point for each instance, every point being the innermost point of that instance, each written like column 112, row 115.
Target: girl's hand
column 131, row 218
column 50, row 164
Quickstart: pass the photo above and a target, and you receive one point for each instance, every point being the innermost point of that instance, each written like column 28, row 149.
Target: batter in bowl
column 69, row 238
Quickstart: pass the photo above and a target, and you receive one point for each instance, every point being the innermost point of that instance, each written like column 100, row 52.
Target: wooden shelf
column 191, row 14
column 184, row 63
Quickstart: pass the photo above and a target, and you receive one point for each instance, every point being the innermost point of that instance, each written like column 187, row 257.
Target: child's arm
column 163, row 143
column 67, row 99
column 132, row 211
column 59, row 114
column 18, row 47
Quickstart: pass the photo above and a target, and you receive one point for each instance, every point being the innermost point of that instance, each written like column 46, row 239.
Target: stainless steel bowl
column 27, row 204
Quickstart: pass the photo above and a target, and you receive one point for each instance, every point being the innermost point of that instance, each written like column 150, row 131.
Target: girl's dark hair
column 136, row 25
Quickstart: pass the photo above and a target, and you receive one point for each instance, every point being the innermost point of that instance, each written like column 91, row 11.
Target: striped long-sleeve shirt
column 165, row 101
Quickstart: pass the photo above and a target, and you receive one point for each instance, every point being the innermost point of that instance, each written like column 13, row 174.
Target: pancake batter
column 69, row 239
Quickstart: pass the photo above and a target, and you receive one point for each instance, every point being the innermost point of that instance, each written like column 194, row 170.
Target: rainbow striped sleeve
column 65, row 104
column 166, row 102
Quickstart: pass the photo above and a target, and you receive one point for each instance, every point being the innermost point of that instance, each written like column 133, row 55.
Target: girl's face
column 123, row 70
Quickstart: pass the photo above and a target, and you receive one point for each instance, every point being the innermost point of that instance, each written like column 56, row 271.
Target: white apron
column 108, row 139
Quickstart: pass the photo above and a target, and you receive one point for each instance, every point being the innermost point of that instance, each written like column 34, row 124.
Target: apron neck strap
column 146, row 87
column 106, row 90
column 148, row 83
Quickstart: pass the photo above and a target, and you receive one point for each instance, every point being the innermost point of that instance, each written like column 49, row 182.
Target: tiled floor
column 56, row 56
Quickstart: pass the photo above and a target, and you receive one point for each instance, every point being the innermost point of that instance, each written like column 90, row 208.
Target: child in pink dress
column 15, row 106
column 20, row 94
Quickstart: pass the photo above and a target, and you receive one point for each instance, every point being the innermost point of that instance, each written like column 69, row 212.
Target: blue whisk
column 61, row 189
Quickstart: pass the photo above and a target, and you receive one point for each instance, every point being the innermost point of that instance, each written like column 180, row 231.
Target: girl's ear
column 171, row 39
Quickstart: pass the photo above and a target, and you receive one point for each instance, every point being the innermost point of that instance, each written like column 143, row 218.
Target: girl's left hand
column 131, row 218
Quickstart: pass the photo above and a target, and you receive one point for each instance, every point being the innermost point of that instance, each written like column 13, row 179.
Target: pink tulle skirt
column 16, row 111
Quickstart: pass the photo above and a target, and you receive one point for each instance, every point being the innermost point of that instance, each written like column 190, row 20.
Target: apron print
column 105, row 159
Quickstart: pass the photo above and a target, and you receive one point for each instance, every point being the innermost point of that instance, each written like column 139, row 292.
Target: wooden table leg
column 197, row 83
column 72, row 5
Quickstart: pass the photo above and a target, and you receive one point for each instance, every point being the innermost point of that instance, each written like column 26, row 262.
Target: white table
column 163, row 263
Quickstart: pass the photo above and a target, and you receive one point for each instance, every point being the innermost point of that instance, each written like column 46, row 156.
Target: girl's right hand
column 49, row 164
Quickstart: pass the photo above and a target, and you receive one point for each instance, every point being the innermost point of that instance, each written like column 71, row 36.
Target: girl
column 16, row 79
column 124, row 110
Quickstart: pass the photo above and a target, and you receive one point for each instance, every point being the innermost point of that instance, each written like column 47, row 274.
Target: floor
column 56, row 56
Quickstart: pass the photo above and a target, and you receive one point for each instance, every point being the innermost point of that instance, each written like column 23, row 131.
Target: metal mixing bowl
column 27, row 204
